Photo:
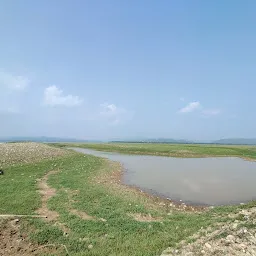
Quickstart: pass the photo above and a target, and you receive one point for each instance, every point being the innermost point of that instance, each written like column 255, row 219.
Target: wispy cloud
column 211, row 112
column 110, row 109
column 53, row 96
column 113, row 114
column 13, row 82
column 192, row 106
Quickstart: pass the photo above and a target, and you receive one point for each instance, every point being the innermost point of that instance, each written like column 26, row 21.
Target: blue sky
column 128, row 69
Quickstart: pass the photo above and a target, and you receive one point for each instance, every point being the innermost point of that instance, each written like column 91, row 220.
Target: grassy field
column 90, row 212
column 174, row 150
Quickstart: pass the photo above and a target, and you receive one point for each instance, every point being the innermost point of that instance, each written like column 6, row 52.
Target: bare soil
column 144, row 217
column 46, row 193
column 82, row 215
column 15, row 243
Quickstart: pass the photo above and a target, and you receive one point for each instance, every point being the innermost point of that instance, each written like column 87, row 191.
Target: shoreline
column 158, row 199
column 245, row 158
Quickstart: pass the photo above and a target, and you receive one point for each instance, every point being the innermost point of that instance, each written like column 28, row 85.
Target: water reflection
column 211, row 181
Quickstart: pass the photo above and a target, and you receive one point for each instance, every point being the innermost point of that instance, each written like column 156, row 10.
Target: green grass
column 176, row 150
column 18, row 187
column 78, row 187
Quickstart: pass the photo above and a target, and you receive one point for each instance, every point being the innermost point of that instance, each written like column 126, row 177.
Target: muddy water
column 202, row 181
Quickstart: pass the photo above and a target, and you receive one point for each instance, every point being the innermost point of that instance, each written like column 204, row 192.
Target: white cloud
column 113, row 114
column 53, row 96
column 211, row 112
column 13, row 82
column 109, row 109
column 192, row 106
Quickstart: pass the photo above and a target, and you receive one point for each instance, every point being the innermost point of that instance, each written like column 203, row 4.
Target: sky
column 128, row 69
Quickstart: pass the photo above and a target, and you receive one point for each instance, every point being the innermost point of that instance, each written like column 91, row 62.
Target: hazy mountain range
column 43, row 139
column 230, row 141
column 236, row 141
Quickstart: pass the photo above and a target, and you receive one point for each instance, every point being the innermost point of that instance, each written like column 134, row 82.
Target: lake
column 195, row 181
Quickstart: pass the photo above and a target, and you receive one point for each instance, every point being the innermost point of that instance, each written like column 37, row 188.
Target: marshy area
column 55, row 201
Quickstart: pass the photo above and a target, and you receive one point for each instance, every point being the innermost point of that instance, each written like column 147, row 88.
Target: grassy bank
column 91, row 212
column 174, row 150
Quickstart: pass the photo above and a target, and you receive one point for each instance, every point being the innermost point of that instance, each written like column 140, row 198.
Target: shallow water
column 200, row 181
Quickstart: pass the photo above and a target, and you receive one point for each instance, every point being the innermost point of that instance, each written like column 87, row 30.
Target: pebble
column 16, row 221
column 235, row 226
column 207, row 245
column 230, row 238
column 243, row 246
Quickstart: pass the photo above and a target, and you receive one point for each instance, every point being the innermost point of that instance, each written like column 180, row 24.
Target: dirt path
column 47, row 192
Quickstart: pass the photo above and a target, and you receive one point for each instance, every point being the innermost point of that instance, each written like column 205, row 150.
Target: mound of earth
column 14, row 243
column 235, row 237
column 29, row 152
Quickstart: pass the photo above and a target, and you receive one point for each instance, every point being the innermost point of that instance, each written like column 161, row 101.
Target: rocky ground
column 29, row 152
column 236, row 237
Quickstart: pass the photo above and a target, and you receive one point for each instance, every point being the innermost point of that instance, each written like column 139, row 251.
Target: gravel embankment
column 236, row 237
column 28, row 152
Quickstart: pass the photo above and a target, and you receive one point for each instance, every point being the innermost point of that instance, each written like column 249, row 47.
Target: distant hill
column 158, row 140
column 236, row 141
column 42, row 139
column 232, row 141
column 229, row 141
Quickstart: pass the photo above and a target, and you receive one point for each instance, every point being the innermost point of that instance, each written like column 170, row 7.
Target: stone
column 65, row 234
column 16, row 221
column 231, row 238
column 242, row 246
column 207, row 245
column 235, row 226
